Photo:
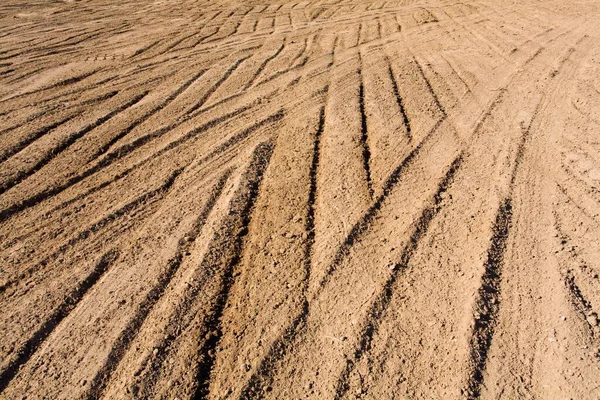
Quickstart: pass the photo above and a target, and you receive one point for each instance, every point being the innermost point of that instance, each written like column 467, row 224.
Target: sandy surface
column 329, row 199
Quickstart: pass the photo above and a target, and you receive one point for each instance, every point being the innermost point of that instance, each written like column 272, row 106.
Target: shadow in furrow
column 32, row 138
column 262, row 66
column 367, row 219
column 364, row 132
column 102, row 150
column 430, row 88
column 178, row 320
column 400, row 102
column 123, row 151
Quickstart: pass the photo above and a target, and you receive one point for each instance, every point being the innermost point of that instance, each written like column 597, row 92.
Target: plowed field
column 327, row 199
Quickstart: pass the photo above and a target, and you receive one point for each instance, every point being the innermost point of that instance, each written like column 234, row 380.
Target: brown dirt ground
column 328, row 199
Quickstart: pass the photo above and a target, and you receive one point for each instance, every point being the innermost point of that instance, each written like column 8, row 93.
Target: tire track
column 367, row 219
column 579, row 302
column 58, row 96
column 203, row 38
column 381, row 303
column 218, row 83
column 284, row 71
column 99, row 99
column 123, row 151
column 178, row 42
column 300, row 53
column 179, row 321
column 282, row 346
column 30, row 118
column 363, row 225
column 145, row 49
column 128, row 335
column 262, row 66
column 69, row 303
column 264, row 373
column 147, row 115
column 120, row 153
column 57, row 85
column 143, row 200
column 430, row 88
column 65, row 144
column 487, row 304
column 237, row 228
column 23, row 143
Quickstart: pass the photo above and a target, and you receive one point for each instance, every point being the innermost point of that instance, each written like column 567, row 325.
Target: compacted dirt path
column 328, row 199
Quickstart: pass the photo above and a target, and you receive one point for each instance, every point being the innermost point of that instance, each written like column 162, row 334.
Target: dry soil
column 327, row 199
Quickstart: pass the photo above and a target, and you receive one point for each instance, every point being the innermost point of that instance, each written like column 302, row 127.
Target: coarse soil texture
column 321, row 199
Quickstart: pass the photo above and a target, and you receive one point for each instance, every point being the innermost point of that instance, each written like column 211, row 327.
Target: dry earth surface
column 327, row 199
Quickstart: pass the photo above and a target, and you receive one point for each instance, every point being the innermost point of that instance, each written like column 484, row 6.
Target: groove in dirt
column 400, row 102
column 300, row 53
column 23, row 143
column 122, row 152
column 487, row 303
column 60, row 84
column 70, row 81
column 216, row 85
column 241, row 215
column 65, row 144
column 178, row 41
column 382, row 302
column 99, row 99
column 312, row 194
column 281, row 347
column 56, row 317
column 144, row 199
column 26, row 121
column 580, row 303
column 144, row 49
column 366, row 220
column 430, row 88
column 127, row 336
column 264, row 372
column 364, row 133
column 102, row 150
column 263, row 65
column 276, row 75
column 179, row 320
